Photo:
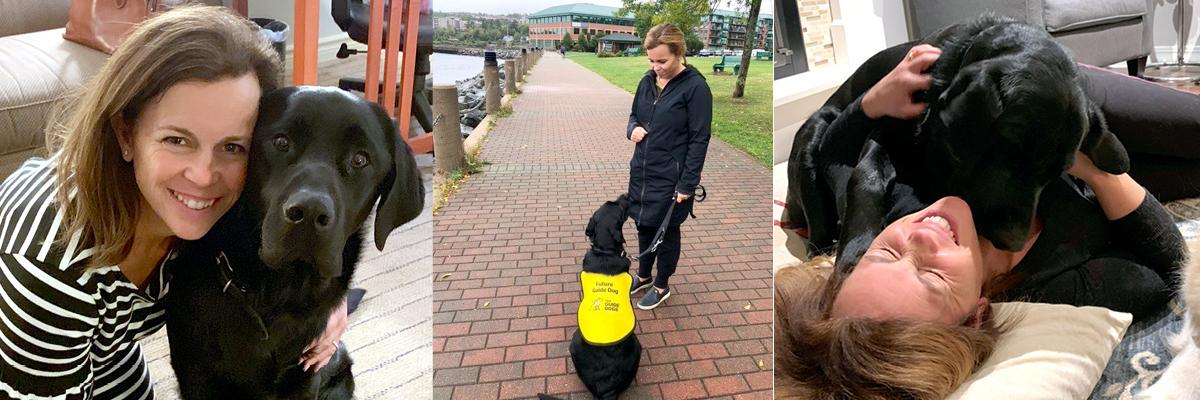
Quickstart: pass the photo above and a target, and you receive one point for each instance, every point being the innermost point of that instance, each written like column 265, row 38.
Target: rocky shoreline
column 471, row 98
column 506, row 54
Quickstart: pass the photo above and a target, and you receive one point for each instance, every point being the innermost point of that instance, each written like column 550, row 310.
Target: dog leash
column 227, row 273
column 661, row 233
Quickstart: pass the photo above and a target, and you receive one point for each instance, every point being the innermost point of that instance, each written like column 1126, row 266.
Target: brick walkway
column 512, row 240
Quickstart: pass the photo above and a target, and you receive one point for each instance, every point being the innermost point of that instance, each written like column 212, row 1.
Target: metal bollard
column 447, row 138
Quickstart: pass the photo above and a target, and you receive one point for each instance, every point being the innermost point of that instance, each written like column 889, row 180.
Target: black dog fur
column 320, row 159
column 1005, row 116
column 607, row 370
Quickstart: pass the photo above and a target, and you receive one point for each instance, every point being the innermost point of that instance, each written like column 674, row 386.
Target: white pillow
column 1052, row 351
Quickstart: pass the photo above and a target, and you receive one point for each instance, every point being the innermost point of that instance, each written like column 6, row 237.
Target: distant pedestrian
column 671, row 124
column 562, row 50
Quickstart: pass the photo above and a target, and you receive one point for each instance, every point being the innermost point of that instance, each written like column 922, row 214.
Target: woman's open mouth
column 195, row 203
column 942, row 223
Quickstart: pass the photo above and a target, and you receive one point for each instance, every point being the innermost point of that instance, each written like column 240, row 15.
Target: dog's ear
column 1100, row 145
column 590, row 231
column 972, row 102
column 401, row 194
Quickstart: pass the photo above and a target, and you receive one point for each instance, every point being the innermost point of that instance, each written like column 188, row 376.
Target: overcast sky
column 532, row 6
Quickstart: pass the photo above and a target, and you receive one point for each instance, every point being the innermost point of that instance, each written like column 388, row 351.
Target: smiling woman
column 907, row 311
column 153, row 151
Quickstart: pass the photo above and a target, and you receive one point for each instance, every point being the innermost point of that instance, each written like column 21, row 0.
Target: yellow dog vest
column 605, row 313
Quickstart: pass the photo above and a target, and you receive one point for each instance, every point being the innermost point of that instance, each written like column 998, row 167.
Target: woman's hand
column 1084, row 168
column 639, row 133
column 892, row 95
column 321, row 350
column 1118, row 195
column 679, row 197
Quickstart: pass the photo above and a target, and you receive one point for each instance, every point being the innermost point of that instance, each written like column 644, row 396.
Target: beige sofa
column 37, row 69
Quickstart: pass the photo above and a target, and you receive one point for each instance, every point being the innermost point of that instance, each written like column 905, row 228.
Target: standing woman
column 153, row 152
column 670, row 126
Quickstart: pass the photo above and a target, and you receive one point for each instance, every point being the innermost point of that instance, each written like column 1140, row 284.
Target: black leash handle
column 661, row 233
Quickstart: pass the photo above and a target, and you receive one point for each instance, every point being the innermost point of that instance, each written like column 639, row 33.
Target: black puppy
column 1005, row 116
column 285, row 253
column 604, row 349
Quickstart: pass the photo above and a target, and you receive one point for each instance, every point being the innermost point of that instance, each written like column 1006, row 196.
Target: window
column 790, row 56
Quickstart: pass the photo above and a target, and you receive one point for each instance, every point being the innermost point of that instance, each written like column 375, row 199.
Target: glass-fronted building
column 547, row 27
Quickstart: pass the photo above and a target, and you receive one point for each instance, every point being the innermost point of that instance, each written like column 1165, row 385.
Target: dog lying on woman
column 1005, row 116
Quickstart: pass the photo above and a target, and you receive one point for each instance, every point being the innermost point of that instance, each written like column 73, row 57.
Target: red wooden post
column 304, row 53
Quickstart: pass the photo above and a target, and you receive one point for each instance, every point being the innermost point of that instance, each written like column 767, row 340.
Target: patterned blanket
column 1143, row 354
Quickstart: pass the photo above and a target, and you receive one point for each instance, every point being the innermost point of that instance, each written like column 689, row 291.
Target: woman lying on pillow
column 911, row 319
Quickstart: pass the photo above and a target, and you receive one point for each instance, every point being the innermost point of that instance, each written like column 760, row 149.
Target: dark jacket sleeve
column 699, row 129
column 1150, row 233
column 842, row 142
column 633, row 122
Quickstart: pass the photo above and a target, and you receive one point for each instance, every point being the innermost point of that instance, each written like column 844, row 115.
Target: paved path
column 512, row 240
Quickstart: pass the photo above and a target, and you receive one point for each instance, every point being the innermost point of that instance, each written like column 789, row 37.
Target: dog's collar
column 227, row 273
column 609, row 253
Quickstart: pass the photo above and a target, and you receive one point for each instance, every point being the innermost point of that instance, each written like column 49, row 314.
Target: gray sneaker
column 639, row 284
column 653, row 298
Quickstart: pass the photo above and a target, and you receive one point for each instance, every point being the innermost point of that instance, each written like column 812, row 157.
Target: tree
column 566, row 41
column 694, row 44
column 739, row 88
column 585, row 42
column 684, row 14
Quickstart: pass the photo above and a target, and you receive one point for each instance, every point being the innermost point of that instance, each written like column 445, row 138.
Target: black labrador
column 321, row 158
column 607, row 367
column 1005, row 116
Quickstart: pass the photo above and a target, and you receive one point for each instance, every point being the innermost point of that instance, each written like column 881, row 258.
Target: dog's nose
column 309, row 207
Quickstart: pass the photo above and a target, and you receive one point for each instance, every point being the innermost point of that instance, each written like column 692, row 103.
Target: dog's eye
column 282, row 143
column 359, row 160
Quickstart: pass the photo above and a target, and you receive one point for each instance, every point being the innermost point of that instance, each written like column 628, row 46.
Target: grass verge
column 744, row 123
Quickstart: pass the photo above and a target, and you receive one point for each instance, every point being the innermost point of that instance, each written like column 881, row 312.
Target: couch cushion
column 24, row 16
column 1065, row 15
column 37, row 70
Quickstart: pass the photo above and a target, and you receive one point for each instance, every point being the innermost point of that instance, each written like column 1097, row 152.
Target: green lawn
column 744, row 123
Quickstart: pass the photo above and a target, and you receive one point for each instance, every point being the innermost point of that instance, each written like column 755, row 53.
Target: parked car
column 705, row 52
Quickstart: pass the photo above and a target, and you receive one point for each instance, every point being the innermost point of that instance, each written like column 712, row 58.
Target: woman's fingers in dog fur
column 922, row 61
column 317, row 357
column 920, row 50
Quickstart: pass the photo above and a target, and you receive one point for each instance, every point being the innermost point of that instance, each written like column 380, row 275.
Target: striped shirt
column 65, row 331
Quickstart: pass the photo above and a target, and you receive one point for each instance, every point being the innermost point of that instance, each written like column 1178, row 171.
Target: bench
column 728, row 61
column 765, row 55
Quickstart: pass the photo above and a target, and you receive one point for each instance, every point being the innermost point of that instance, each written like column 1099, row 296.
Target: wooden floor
column 1188, row 87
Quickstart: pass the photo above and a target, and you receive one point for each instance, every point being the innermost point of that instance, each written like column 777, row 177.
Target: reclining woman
column 154, row 151
column 911, row 318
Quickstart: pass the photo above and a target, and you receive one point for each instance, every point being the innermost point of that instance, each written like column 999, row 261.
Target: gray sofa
column 1097, row 32
column 38, row 68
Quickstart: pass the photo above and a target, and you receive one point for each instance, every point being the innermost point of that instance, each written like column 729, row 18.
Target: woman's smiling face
column 189, row 153
column 925, row 266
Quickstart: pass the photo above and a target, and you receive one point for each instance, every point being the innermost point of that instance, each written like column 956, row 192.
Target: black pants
column 1158, row 127
column 667, row 254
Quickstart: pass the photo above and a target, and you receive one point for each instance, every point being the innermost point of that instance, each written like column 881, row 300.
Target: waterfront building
column 547, row 27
